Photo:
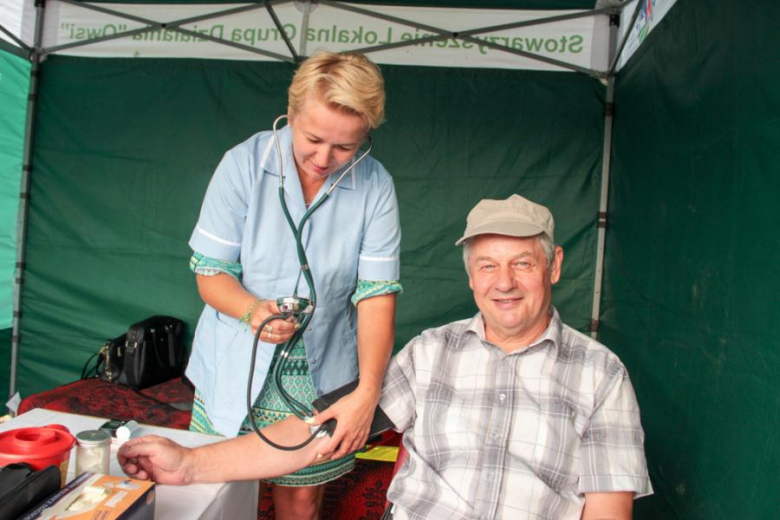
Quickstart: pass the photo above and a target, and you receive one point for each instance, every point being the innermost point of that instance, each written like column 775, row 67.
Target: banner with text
column 578, row 41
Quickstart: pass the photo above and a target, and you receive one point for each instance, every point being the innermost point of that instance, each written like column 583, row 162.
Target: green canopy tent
column 173, row 31
column 659, row 173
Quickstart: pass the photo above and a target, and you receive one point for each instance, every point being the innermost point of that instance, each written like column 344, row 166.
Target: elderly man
column 510, row 414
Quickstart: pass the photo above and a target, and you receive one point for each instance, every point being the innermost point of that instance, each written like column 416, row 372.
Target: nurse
column 244, row 258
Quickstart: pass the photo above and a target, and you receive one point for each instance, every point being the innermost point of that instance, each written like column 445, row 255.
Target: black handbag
column 152, row 351
column 22, row 488
column 109, row 361
column 112, row 360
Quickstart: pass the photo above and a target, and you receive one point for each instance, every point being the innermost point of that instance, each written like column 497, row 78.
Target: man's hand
column 155, row 458
column 354, row 413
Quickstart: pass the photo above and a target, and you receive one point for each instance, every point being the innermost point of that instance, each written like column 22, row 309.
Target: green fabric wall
column 125, row 149
column 14, row 82
column 5, row 371
column 692, row 272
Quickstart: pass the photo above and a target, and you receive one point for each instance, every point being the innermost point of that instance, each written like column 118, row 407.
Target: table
column 236, row 500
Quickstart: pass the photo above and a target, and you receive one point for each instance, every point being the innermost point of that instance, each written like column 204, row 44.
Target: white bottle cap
column 124, row 432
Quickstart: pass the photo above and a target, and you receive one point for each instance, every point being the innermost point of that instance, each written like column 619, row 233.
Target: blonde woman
column 244, row 259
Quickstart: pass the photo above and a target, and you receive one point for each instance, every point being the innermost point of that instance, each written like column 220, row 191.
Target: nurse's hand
column 354, row 413
column 275, row 331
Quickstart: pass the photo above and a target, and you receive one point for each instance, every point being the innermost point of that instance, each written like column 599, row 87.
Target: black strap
column 388, row 514
column 155, row 346
column 132, row 363
column 88, row 372
column 171, row 329
column 102, row 359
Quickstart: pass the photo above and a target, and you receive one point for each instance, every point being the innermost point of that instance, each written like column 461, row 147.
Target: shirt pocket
column 226, row 329
column 556, row 454
column 454, row 432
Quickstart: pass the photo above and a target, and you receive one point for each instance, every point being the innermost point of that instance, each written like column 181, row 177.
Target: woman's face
column 324, row 139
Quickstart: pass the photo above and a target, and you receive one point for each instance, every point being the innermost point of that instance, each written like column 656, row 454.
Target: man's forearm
column 248, row 457
column 616, row 505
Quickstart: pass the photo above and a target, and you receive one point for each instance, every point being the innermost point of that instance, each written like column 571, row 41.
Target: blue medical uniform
column 355, row 234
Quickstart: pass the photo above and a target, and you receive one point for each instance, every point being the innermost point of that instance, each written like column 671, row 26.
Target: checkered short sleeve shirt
column 514, row 436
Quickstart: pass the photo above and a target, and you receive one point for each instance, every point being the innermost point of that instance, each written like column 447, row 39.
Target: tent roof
column 475, row 4
column 497, row 33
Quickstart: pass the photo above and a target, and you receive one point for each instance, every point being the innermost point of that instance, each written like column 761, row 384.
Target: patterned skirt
column 270, row 408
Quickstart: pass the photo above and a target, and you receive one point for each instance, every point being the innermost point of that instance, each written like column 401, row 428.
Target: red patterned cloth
column 100, row 399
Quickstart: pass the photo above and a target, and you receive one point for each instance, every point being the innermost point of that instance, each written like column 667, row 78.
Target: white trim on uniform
column 216, row 238
column 379, row 258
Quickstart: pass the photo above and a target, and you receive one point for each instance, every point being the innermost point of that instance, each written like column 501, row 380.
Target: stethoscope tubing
column 299, row 409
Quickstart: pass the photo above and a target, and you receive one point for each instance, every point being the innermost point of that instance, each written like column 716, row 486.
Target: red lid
column 27, row 444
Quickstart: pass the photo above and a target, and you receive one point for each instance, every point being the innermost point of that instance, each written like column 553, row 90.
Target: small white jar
column 93, row 452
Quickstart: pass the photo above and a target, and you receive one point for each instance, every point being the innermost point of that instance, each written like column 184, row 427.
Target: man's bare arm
column 242, row 458
column 608, row 506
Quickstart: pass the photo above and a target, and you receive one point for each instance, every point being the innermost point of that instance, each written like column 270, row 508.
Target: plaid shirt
column 514, row 436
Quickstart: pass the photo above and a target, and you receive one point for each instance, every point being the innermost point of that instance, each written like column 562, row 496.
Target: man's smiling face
column 512, row 286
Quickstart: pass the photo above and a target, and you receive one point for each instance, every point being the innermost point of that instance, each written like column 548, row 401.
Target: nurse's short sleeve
column 220, row 227
column 380, row 249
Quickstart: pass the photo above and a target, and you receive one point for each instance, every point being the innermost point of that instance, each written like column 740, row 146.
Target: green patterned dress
column 269, row 406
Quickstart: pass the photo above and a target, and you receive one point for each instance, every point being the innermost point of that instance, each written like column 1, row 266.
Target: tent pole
column 302, row 45
column 616, row 54
column 280, row 27
column 609, row 114
column 24, row 192
column 23, row 50
column 11, row 49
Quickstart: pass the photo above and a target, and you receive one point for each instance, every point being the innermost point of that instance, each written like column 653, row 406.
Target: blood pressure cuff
column 381, row 422
column 22, row 488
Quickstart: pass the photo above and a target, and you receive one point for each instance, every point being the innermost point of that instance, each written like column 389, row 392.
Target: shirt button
column 313, row 361
column 309, row 329
column 319, row 392
column 502, row 397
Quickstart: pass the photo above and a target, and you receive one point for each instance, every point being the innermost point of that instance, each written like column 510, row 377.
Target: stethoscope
column 301, row 309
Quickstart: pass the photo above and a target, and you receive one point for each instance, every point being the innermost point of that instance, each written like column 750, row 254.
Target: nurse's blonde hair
column 347, row 81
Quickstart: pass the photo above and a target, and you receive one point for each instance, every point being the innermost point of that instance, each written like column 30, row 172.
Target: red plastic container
column 40, row 447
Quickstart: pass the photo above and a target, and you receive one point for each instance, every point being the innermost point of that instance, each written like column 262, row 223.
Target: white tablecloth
column 237, row 500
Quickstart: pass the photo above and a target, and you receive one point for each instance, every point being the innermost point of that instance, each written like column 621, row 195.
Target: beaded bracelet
column 248, row 314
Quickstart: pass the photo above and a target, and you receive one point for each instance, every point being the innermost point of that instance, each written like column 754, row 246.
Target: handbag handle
column 170, row 328
column 160, row 361
column 132, row 356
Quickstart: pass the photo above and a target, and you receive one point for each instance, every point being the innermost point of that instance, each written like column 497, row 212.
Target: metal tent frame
column 37, row 52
